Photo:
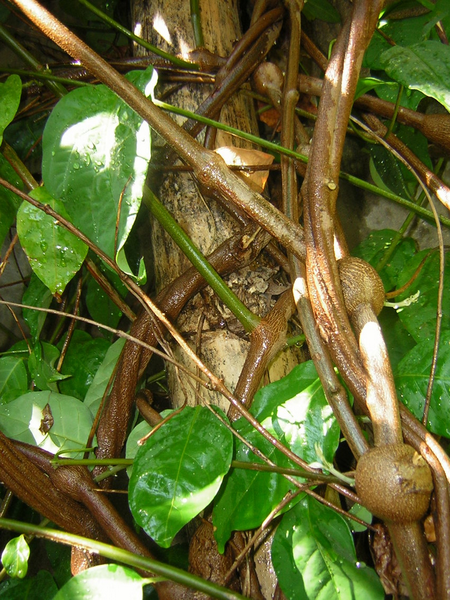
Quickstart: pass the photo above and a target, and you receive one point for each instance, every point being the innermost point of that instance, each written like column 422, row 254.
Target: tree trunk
column 223, row 344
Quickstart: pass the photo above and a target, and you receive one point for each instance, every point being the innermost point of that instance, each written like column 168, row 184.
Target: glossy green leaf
column 424, row 67
column 9, row 202
column 15, row 557
column 314, row 557
column 420, row 317
column 404, row 32
column 103, row 583
column 40, row 587
column 13, row 378
column 95, row 156
column 83, row 358
column 178, row 472
column 54, row 253
column 64, row 424
column 296, row 412
column 412, row 377
column 36, row 294
column 10, row 92
column 101, row 379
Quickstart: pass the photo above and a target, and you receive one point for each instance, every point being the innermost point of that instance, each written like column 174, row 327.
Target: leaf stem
column 124, row 556
column 273, row 147
column 249, row 320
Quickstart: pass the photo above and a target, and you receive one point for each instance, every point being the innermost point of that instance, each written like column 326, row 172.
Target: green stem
column 29, row 59
column 360, row 183
column 11, row 156
column 124, row 556
column 170, row 57
column 197, row 24
column 238, row 308
column 46, row 76
column 239, row 464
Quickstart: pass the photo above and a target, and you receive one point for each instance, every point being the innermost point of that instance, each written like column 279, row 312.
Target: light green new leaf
column 95, row 156
column 15, row 557
column 424, row 67
column 178, row 472
column 54, row 253
column 64, row 424
column 10, row 92
column 104, row 582
column 412, row 377
column 314, row 557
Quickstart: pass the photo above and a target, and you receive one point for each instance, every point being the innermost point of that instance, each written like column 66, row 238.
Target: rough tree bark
column 223, row 344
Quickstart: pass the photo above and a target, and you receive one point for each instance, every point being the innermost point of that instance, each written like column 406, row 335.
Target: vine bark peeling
column 233, row 224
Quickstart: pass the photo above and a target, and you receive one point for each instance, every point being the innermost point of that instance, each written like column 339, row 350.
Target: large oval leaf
column 95, row 156
column 52, row 421
column 178, row 472
column 314, row 557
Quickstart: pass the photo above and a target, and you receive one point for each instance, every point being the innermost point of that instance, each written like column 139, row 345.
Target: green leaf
column 40, row 587
column 409, row 98
column 9, row 202
column 374, row 247
column 420, row 317
column 296, row 412
column 412, row 376
column 10, row 93
column 13, row 378
column 83, row 358
column 36, row 294
column 100, row 306
column 398, row 340
column 101, row 379
column 424, row 67
column 95, row 155
column 178, row 472
column 103, row 583
column 64, row 424
column 317, row 543
column 41, row 365
column 54, row 253
column 321, row 9
column 404, row 32
column 15, row 557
